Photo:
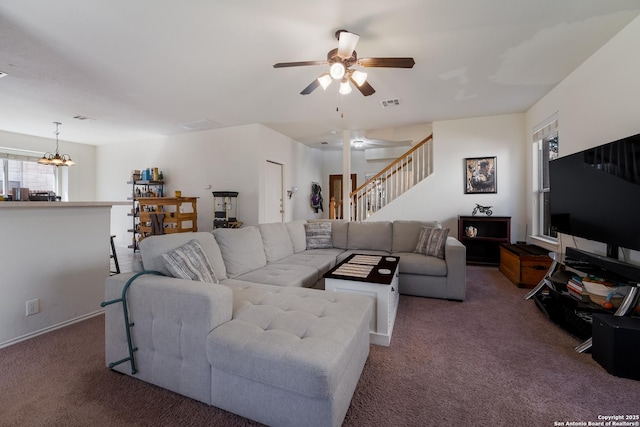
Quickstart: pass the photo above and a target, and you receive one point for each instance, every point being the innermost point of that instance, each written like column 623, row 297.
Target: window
column 546, row 139
column 20, row 170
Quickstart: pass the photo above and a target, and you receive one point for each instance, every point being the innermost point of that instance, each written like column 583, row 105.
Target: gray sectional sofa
column 260, row 341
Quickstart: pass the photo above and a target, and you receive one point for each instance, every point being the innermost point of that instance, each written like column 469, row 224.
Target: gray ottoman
column 289, row 356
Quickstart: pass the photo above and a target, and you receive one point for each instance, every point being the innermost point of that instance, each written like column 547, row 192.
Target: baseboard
column 50, row 328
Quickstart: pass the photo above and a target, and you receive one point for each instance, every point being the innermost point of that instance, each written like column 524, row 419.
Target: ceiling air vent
column 390, row 103
column 80, row 117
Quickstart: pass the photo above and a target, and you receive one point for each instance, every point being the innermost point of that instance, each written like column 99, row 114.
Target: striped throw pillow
column 318, row 235
column 190, row 262
column 431, row 241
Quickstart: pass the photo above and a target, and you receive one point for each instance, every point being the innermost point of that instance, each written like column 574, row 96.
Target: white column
column 346, row 174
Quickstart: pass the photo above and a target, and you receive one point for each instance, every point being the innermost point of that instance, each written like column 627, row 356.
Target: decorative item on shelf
column 470, row 231
column 225, row 207
column 604, row 293
column 482, row 209
column 56, row 159
column 291, row 192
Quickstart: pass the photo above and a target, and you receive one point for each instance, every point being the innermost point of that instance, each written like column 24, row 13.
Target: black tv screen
column 595, row 193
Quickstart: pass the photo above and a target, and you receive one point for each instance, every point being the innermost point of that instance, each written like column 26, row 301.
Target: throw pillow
column 190, row 262
column 431, row 241
column 318, row 235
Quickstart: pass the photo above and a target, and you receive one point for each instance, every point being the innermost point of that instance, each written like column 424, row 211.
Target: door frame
column 281, row 191
column 333, row 178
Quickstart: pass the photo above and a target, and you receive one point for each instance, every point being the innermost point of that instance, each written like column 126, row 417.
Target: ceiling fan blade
column 299, row 64
column 313, row 86
column 366, row 89
column 387, row 62
column 346, row 43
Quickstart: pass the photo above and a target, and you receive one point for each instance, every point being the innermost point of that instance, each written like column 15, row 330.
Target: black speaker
column 616, row 344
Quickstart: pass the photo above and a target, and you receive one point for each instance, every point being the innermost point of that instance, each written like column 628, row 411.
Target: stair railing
column 391, row 182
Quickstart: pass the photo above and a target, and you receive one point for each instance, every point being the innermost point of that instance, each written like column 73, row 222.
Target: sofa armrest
column 172, row 318
column 455, row 255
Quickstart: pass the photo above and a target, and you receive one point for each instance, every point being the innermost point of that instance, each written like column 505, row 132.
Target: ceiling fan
column 340, row 61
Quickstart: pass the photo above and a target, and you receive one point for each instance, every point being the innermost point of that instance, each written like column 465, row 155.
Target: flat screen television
column 595, row 194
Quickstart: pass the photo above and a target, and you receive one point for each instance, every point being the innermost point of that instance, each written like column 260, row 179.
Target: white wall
column 58, row 255
column 228, row 159
column 441, row 196
column 82, row 176
column 302, row 166
column 598, row 103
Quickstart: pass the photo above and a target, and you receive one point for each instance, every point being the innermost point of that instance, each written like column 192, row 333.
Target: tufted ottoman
column 289, row 356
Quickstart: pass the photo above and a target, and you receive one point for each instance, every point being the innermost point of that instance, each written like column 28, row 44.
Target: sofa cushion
column 339, row 233
column 190, row 262
column 431, row 241
column 374, row 235
column 297, row 235
column 322, row 263
column 241, row 249
column 412, row 263
column 300, row 340
column 318, row 235
column 406, row 233
column 276, row 241
column 282, row 275
column 334, row 252
column 152, row 248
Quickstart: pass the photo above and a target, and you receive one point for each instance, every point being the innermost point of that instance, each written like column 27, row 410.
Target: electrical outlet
column 33, row 306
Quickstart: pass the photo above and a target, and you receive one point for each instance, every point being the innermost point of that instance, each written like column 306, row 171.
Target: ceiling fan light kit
column 345, row 87
column 325, row 80
column 340, row 60
column 337, row 71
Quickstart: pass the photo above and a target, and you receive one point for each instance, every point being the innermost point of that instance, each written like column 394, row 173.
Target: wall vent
column 390, row 103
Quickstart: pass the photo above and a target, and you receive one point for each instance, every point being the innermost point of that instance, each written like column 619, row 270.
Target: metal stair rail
column 388, row 184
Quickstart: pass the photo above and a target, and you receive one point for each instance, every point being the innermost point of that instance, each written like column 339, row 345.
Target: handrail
column 392, row 164
column 392, row 181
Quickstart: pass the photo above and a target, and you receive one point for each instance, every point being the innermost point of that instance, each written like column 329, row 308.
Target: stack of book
column 576, row 289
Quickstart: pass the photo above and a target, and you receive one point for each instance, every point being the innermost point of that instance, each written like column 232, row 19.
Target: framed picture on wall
column 480, row 175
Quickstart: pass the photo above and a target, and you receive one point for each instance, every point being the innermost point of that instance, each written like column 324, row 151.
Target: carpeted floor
column 492, row 360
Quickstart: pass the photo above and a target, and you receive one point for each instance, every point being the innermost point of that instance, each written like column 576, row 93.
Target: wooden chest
column 524, row 265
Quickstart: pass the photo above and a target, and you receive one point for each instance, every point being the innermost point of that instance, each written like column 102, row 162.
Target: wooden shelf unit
column 141, row 188
column 179, row 215
column 484, row 248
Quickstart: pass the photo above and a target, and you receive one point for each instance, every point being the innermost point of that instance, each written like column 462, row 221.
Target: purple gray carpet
column 492, row 360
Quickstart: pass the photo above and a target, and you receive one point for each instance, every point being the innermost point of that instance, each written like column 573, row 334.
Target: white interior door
column 274, row 198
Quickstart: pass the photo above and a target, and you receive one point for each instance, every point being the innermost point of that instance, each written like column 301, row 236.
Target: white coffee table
column 377, row 277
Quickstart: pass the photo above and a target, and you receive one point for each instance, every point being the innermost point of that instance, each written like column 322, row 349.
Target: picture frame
column 480, row 175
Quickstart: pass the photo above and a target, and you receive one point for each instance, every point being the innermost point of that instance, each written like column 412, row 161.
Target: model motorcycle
column 482, row 209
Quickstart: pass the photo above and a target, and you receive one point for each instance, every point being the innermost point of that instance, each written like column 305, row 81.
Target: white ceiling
column 141, row 67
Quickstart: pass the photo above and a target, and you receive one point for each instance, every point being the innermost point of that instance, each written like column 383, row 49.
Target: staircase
column 392, row 181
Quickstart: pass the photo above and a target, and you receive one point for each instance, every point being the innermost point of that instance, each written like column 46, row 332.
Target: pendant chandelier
column 56, row 159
